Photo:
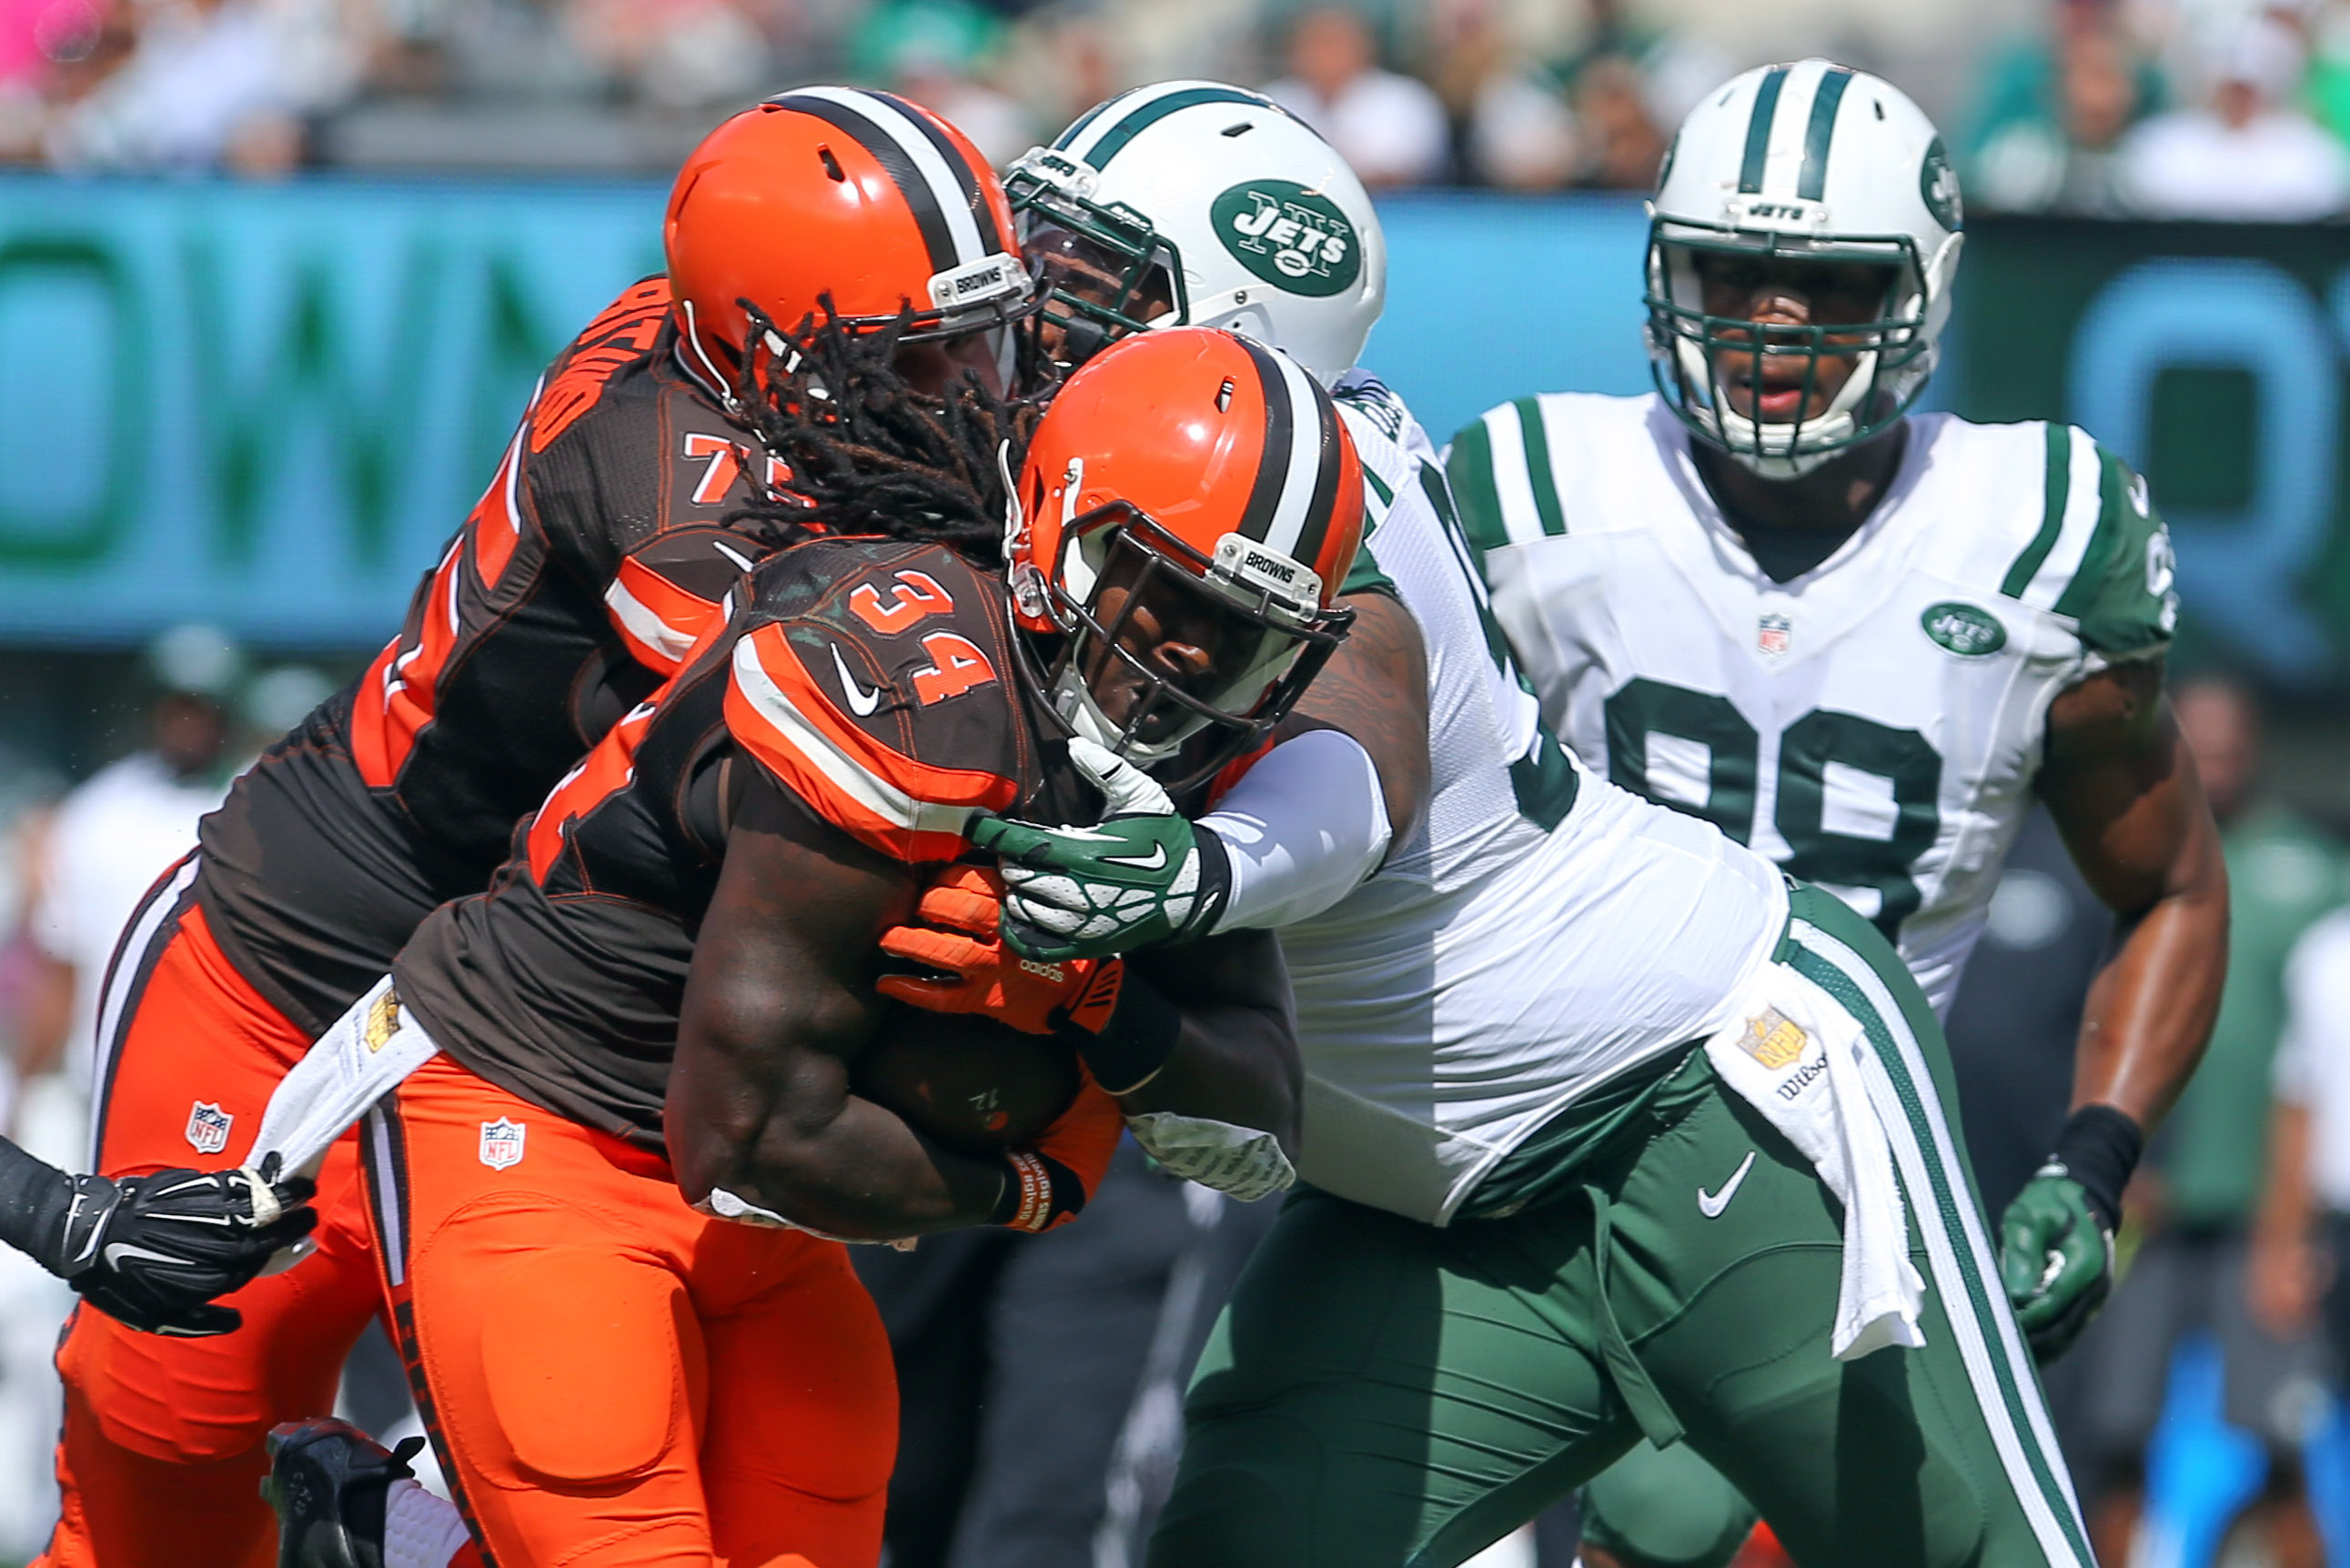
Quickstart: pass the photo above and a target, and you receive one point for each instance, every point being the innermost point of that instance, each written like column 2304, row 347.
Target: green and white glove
column 2056, row 1240
column 1142, row 875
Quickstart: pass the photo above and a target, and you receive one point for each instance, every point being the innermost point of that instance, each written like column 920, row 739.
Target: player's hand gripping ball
column 972, row 1062
column 966, row 966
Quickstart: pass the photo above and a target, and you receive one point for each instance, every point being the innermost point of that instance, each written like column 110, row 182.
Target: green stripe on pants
column 1846, row 957
column 1383, row 1394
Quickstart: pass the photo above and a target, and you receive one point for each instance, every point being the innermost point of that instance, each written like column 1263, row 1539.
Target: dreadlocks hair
column 867, row 454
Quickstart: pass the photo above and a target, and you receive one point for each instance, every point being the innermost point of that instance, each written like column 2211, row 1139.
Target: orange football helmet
column 1188, row 511
column 834, row 192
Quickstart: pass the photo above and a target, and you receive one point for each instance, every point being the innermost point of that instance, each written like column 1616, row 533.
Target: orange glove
column 1053, row 1181
column 961, row 939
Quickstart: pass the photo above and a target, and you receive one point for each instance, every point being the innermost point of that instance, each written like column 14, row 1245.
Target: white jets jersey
column 1873, row 725
column 1539, row 930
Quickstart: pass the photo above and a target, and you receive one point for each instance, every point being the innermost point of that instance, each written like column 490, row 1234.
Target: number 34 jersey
column 1873, row 724
column 870, row 680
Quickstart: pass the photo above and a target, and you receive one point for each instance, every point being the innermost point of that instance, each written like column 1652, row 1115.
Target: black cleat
column 327, row 1480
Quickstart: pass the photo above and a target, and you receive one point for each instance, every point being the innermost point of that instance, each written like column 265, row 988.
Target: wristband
column 2099, row 1149
column 1038, row 1192
column 1215, row 881
column 1122, row 1027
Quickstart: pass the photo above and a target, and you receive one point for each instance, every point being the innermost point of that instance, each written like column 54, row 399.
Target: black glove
column 152, row 1251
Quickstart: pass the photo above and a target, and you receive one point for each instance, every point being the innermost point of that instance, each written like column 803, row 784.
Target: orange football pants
column 162, row 1456
column 610, row 1379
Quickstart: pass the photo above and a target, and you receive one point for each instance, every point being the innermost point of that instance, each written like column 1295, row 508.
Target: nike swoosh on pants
column 1711, row 1204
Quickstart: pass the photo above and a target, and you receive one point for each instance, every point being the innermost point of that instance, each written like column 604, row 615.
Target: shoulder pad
column 1370, row 398
column 2102, row 554
column 1498, row 466
column 626, row 329
column 675, row 589
column 877, row 683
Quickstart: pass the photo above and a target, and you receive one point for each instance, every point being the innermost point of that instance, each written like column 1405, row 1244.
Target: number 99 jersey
column 1874, row 725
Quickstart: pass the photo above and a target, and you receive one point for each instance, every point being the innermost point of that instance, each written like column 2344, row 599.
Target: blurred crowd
column 2225, row 108
column 2201, row 1413
column 73, row 863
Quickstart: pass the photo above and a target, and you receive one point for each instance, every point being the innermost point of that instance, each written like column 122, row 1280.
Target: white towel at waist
column 1801, row 1059
column 361, row 1058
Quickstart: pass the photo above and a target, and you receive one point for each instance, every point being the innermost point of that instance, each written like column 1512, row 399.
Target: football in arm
column 969, row 1082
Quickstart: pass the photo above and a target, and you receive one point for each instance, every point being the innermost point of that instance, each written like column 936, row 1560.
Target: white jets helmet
column 1812, row 161
column 1195, row 203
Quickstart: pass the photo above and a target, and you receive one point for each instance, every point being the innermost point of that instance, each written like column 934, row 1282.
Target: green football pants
column 1384, row 1394
column 1665, row 1507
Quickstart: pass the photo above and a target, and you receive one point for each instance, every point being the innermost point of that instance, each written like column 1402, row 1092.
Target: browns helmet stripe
column 1301, row 461
column 1289, row 505
column 1265, row 494
column 991, row 239
column 1324, row 503
column 941, row 196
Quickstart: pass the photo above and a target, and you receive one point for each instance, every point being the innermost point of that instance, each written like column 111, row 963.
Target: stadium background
column 254, row 381
column 264, row 406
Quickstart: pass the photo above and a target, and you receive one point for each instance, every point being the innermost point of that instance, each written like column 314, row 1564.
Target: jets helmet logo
column 1294, row 238
column 1938, row 187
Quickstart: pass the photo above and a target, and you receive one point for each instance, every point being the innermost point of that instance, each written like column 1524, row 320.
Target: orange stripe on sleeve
column 904, row 808
column 658, row 620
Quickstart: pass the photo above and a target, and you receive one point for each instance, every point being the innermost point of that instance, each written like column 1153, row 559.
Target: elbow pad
column 1301, row 829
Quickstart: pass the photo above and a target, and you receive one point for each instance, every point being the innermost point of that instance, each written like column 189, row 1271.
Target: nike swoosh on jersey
column 861, row 702
column 1155, row 861
column 1711, row 1204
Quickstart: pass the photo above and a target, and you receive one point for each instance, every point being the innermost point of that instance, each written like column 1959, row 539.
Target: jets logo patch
column 502, row 1143
column 208, row 1128
column 1964, row 629
column 1294, row 238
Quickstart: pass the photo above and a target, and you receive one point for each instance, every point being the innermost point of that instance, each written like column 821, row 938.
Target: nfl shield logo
column 208, row 1128
column 1771, row 634
column 502, row 1143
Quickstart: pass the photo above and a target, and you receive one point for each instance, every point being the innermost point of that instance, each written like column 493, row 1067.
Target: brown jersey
column 592, row 562
column 873, row 680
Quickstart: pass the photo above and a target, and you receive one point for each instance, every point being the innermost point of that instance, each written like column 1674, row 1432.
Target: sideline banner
column 2210, row 356
column 268, row 405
